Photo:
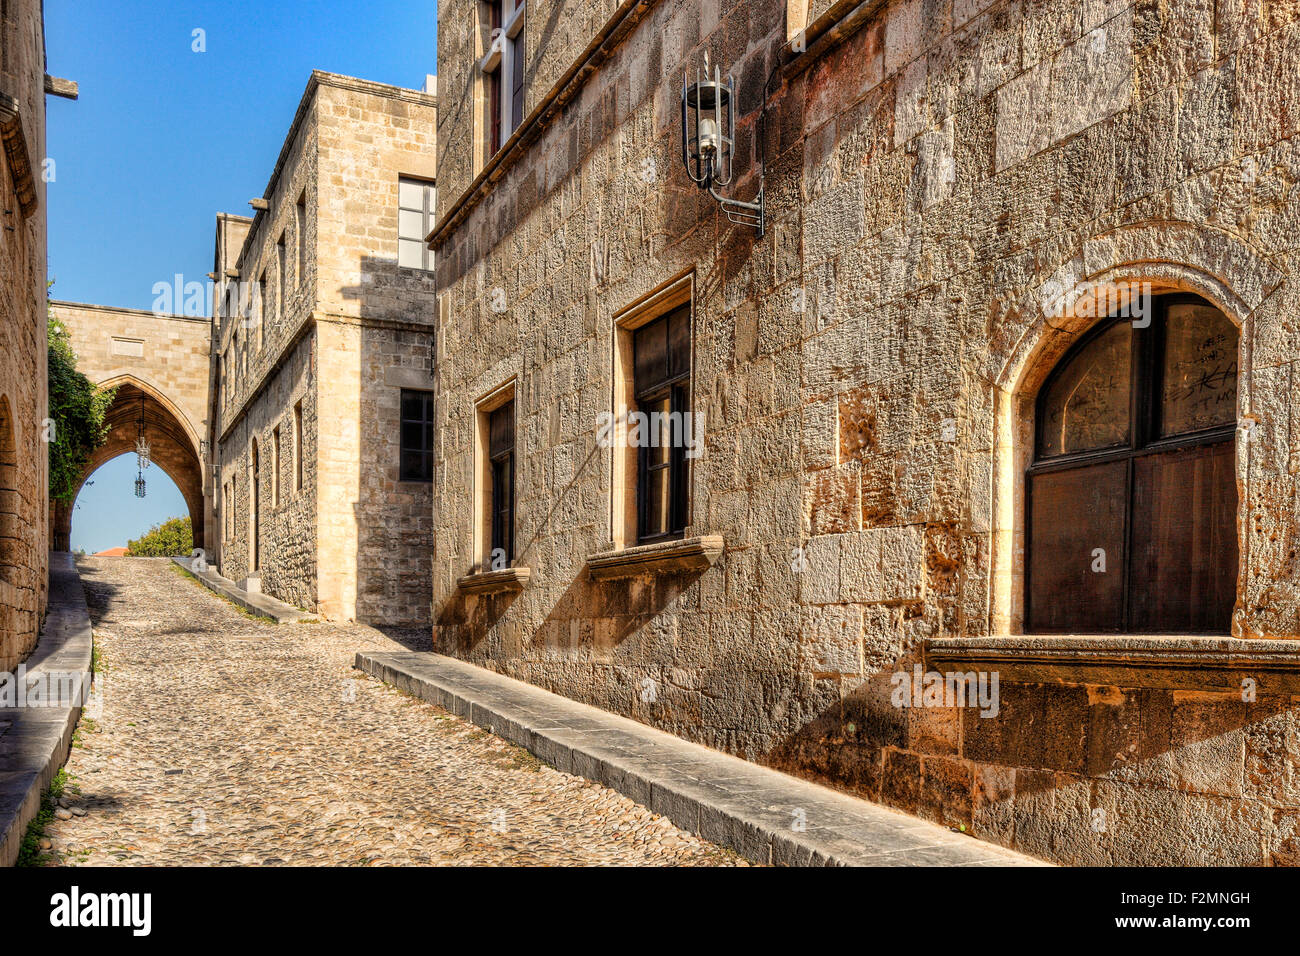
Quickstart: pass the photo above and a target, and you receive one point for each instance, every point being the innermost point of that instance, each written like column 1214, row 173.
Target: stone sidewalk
column 34, row 741
column 768, row 816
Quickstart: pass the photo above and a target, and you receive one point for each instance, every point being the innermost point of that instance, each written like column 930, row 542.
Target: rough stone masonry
column 867, row 372
column 24, row 462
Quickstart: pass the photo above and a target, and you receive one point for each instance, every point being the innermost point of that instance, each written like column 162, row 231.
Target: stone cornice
column 145, row 313
column 1181, row 662
column 20, row 164
column 607, row 40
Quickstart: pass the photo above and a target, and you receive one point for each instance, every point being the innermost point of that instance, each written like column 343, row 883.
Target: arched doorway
column 12, row 556
column 254, row 511
column 173, row 449
column 1131, row 496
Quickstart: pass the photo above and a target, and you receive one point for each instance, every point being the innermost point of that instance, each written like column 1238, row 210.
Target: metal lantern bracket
column 708, row 143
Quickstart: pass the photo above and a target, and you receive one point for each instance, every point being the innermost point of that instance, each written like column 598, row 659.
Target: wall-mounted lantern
column 709, row 144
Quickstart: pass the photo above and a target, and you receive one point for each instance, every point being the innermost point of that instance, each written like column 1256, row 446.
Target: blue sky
column 163, row 138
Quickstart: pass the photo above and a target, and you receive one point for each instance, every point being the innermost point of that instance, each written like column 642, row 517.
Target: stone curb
column 38, row 739
column 262, row 605
column 749, row 808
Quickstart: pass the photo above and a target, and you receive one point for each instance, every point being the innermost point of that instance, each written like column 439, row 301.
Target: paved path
column 223, row 739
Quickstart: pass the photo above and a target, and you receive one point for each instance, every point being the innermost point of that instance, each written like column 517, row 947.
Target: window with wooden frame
column 661, row 357
column 281, row 268
column 494, row 479
column 416, row 436
column 261, row 308
column 275, row 467
column 416, row 199
column 652, row 429
column 503, row 71
column 1131, row 499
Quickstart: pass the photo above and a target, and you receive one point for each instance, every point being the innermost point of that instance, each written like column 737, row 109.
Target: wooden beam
column 56, row 86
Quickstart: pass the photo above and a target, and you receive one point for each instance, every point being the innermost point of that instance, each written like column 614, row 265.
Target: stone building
column 24, row 462
column 1003, row 388
column 322, row 350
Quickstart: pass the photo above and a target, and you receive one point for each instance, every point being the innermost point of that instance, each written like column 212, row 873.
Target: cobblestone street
column 227, row 740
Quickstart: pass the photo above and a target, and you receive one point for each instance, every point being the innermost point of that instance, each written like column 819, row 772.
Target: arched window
column 1132, row 496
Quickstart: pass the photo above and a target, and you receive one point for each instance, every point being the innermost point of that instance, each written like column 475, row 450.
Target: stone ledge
column 1179, row 662
column 664, row 557
column 35, row 741
column 262, row 605
column 492, row 582
column 724, row 799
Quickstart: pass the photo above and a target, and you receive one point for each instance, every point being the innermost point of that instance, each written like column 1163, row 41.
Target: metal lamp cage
column 708, row 144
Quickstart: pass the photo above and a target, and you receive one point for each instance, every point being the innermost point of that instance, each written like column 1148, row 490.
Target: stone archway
column 174, row 449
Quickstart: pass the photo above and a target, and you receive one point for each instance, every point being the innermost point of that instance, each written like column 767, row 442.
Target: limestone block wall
column 355, row 542
column 866, row 372
column 287, row 520
column 370, row 136
column 24, row 461
column 394, row 517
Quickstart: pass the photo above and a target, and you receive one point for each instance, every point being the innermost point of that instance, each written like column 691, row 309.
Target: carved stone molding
column 493, row 582
column 666, row 557
column 15, row 140
column 1178, row 662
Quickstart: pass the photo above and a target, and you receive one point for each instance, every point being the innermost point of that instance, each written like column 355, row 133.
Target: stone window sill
column 495, row 582
column 663, row 557
column 1180, row 662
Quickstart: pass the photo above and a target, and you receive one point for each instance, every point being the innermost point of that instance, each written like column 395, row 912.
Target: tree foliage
column 77, row 413
column 174, row 536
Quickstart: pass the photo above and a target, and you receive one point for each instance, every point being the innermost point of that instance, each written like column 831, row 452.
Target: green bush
column 77, row 410
column 174, row 536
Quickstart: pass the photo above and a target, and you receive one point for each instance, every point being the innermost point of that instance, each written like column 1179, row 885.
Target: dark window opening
column 416, row 436
column 661, row 358
column 501, row 461
column 517, row 81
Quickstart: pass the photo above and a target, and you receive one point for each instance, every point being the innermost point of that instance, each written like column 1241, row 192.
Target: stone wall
column 354, row 543
column 865, row 371
column 24, row 459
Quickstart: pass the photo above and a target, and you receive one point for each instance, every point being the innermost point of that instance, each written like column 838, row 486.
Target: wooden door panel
column 1184, row 541
column 1072, row 516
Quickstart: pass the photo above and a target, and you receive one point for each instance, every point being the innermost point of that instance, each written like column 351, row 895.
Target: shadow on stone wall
column 1078, row 774
column 394, row 518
